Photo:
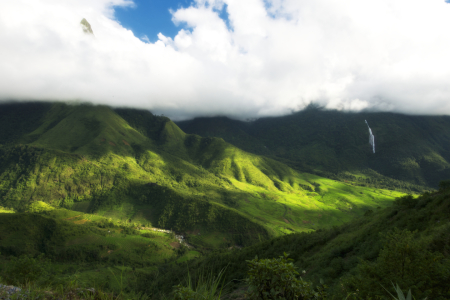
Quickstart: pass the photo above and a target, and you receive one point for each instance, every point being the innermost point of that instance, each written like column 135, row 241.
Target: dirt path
column 72, row 218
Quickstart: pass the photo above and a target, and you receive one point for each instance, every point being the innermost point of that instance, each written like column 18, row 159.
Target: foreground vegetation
column 406, row 244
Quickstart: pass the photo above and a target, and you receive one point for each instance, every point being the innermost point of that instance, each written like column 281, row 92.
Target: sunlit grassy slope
column 133, row 166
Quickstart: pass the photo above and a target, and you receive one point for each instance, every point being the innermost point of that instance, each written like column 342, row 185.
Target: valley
column 81, row 186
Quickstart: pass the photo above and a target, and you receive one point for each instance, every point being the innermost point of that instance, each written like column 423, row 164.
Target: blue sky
column 150, row 17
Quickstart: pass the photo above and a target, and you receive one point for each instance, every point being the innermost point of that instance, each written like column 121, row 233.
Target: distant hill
column 133, row 166
column 412, row 152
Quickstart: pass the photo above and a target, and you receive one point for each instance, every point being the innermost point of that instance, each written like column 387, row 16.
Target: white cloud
column 145, row 38
column 279, row 55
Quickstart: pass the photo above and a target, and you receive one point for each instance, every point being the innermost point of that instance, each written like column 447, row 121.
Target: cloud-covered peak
column 86, row 26
column 268, row 58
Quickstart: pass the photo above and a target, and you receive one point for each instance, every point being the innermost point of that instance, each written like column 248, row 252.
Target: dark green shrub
column 405, row 260
column 184, row 293
column 277, row 279
column 182, row 250
column 24, row 269
column 444, row 185
column 408, row 201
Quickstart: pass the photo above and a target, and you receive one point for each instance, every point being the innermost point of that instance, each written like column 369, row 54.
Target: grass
column 189, row 255
column 4, row 210
column 208, row 287
column 300, row 210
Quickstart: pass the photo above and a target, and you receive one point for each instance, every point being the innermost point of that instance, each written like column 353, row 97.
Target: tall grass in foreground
column 400, row 295
column 208, row 287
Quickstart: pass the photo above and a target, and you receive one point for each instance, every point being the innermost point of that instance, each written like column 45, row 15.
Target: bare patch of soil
column 111, row 143
column 175, row 245
column 125, row 142
column 71, row 218
column 80, row 221
column 195, row 232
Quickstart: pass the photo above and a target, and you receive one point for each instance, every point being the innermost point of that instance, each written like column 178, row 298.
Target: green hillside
column 412, row 152
column 70, row 246
column 132, row 165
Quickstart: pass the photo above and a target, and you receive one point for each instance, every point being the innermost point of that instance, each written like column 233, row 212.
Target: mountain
column 86, row 26
column 82, row 186
column 131, row 165
column 412, row 152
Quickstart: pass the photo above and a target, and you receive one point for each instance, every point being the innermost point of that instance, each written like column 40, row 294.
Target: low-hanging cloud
column 271, row 57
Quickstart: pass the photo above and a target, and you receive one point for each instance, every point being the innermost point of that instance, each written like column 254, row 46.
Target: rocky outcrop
column 86, row 27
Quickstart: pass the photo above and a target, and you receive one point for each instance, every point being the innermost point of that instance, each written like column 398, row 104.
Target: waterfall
column 371, row 138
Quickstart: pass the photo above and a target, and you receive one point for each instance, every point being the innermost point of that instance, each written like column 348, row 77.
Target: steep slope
column 409, row 149
column 17, row 119
column 132, row 165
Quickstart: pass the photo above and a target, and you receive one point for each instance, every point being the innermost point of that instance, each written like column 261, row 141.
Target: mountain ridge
column 411, row 149
column 96, row 159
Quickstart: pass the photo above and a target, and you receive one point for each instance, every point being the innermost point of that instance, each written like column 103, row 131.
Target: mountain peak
column 86, row 26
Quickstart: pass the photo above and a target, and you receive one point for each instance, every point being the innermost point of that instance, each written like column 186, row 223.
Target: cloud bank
column 271, row 58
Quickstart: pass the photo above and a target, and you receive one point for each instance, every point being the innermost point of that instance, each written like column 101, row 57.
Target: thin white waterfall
column 371, row 137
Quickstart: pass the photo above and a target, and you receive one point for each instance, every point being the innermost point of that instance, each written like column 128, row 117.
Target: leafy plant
column 277, row 279
column 25, row 269
column 400, row 295
column 444, row 185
